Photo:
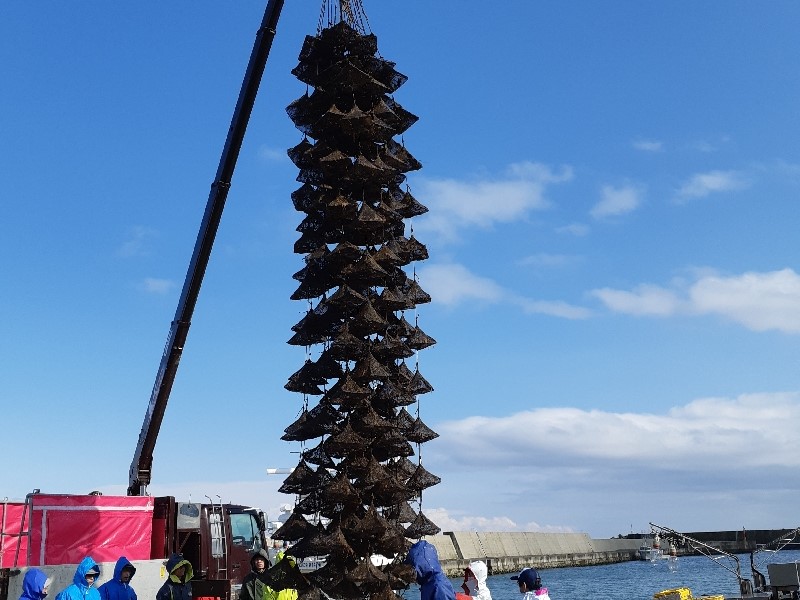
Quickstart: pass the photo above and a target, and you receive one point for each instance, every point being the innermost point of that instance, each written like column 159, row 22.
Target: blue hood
column 33, row 584
column 423, row 557
column 86, row 565
column 123, row 562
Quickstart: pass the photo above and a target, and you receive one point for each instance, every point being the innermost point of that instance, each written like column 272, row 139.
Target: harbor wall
column 509, row 552
column 741, row 540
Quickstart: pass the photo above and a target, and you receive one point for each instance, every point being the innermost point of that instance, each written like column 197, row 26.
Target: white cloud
column 602, row 472
column 703, row 184
column 450, row 520
column 704, row 435
column 758, row 301
column 703, row 146
column 617, row 201
column 648, row 145
column 552, row 308
column 153, row 285
column 137, row 242
column 576, row 229
column 786, row 169
column 268, row 154
column 453, row 521
column 547, row 260
column 452, row 284
column 643, row 300
column 708, row 146
column 456, row 205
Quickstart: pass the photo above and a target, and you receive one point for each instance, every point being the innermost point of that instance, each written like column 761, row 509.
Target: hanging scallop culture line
column 356, row 480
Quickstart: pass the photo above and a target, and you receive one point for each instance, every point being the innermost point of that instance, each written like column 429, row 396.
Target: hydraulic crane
column 141, row 465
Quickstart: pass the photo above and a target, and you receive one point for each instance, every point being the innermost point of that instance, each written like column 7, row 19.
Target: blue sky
column 613, row 193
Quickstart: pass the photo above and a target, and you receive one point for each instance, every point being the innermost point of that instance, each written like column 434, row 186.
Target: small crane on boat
column 779, row 543
column 715, row 554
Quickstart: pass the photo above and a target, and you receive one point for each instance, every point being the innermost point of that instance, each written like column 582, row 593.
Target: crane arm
column 140, row 470
column 704, row 549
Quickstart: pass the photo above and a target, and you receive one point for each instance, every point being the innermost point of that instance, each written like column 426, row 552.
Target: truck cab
column 218, row 539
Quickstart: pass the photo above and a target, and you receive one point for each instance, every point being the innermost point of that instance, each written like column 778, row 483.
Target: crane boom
column 140, row 470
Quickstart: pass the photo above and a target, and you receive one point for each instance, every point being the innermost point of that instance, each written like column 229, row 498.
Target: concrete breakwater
column 509, row 552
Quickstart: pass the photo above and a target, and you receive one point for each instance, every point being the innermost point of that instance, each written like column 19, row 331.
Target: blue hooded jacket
column 33, row 585
column 79, row 590
column 114, row 589
column 175, row 588
column 433, row 583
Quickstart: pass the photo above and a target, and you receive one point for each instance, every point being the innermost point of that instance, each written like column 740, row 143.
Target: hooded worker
column 256, row 580
column 34, row 585
column 433, row 583
column 119, row 587
column 178, row 584
column 475, row 580
column 82, row 587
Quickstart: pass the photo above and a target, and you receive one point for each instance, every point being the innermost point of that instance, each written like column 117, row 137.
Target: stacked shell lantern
column 359, row 476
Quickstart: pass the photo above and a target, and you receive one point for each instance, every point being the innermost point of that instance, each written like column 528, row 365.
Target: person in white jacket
column 475, row 580
column 530, row 584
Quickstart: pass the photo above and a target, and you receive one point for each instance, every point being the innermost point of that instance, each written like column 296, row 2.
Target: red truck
column 55, row 531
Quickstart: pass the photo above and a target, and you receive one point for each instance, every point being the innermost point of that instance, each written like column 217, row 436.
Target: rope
column 350, row 11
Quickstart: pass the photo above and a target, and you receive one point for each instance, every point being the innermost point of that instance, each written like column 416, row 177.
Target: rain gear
column 254, row 582
column 433, row 583
column 33, row 585
column 175, row 588
column 286, row 593
column 114, row 588
column 480, row 590
column 80, row 590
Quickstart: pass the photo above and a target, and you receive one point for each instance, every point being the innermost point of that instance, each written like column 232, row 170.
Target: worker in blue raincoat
column 178, row 584
column 433, row 583
column 119, row 586
column 82, row 587
column 34, row 585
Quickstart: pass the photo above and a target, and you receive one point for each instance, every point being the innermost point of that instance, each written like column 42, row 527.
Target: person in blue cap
column 530, row 584
column 34, row 585
column 433, row 583
column 82, row 587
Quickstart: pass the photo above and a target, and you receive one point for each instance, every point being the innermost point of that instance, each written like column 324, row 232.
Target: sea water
column 636, row 580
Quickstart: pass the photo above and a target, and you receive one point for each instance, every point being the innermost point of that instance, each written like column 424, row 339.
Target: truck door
column 245, row 541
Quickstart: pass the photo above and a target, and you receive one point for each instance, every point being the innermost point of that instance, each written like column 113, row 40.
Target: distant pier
column 509, row 552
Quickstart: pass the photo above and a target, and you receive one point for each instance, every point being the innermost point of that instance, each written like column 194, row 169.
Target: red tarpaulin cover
column 10, row 525
column 65, row 528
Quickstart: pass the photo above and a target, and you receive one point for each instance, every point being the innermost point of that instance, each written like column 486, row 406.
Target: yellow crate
column 676, row 594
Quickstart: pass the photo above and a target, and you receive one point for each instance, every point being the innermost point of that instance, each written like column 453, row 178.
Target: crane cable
column 350, row 11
